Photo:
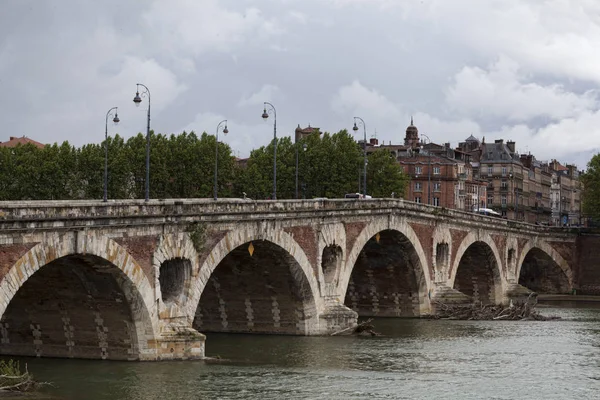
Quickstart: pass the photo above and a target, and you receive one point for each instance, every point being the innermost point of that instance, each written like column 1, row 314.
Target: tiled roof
column 15, row 141
column 498, row 152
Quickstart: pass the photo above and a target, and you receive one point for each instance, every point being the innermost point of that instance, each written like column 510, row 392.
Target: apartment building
column 523, row 188
column 439, row 175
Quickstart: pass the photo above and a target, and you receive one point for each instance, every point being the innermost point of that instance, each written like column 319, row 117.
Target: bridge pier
column 336, row 318
column 516, row 293
column 447, row 295
column 179, row 343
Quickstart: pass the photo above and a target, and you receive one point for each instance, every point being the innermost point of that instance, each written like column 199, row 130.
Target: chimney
column 447, row 144
column 12, row 138
column 511, row 146
column 499, row 141
column 373, row 141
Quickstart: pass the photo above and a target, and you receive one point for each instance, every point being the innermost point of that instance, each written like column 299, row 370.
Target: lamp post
column 304, row 147
column 265, row 115
column 225, row 131
column 296, row 145
column 137, row 100
column 428, row 170
column 355, row 128
column 116, row 121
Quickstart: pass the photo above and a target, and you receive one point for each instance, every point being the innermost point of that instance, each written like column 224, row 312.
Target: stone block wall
column 588, row 265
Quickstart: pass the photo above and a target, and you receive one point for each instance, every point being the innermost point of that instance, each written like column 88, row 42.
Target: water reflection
column 415, row 359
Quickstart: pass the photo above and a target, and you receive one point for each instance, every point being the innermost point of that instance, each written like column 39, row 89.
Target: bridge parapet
column 89, row 213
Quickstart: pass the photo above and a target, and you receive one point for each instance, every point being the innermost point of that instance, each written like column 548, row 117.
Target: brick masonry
column 315, row 266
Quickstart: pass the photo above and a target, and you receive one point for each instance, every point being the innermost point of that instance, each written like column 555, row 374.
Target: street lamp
column 355, row 128
column 296, row 132
column 116, row 121
column 265, row 116
column 428, row 170
column 225, row 131
column 137, row 100
column 304, row 147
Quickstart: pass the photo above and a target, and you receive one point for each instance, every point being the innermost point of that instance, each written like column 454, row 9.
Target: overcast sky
column 526, row 70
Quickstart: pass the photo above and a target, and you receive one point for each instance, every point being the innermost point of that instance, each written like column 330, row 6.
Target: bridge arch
column 226, row 264
column 399, row 234
column 80, row 295
column 542, row 269
column 477, row 269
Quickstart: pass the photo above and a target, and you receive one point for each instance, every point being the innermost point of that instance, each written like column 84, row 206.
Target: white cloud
column 552, row 36
column 197, row 26
column 391, row 119
column 559, row 139
column 356, row 98
column 502, row 91
column 265, row 93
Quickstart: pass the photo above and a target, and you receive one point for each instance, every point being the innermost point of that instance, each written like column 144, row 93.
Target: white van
column 358, row 196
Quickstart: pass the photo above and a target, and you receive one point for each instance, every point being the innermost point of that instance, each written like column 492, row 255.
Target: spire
column 411, row 120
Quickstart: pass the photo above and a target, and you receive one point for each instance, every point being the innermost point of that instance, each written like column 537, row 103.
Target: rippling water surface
column 417, row 359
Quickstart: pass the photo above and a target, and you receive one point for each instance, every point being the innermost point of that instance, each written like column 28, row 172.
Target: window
column 504, row 171
column 436, row 201
column 418, row 199
column 418, row 186
column 504, row 184
column 490, row 200
column 418, row 171
column 437, row 186
column 503, row 199
column 490, row 169
column 436, row 170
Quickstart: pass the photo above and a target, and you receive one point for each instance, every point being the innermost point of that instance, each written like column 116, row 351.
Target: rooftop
column 23, row 140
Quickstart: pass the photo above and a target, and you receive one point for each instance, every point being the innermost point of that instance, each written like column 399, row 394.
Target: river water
column 417, row 359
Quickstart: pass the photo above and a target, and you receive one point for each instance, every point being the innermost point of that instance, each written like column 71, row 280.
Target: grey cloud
column 63, row 64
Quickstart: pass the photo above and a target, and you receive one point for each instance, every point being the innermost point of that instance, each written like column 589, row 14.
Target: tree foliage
column 183, row 166
column 331, row 166
column 591, row 189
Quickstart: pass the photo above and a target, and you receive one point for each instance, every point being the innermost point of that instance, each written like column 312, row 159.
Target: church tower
column 412, row 135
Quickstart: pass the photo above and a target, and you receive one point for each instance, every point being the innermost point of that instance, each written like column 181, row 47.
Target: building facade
column 523, row 188
column 439, row 175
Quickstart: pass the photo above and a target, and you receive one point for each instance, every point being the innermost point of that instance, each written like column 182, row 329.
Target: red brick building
column 439, row 175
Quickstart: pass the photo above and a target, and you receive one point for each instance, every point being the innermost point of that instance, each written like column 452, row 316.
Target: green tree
column 25, row 170
column 257, row 178
column 328, row 167
column 384, row 175
column 331, row 164
column 591, row 189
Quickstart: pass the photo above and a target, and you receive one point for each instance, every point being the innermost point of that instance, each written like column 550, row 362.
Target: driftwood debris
column 518, row 311
column 12, row 380
column 363, row 329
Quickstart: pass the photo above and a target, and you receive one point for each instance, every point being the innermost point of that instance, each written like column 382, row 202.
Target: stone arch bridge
column 141, row 280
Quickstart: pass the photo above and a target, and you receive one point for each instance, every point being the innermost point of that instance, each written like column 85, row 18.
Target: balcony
column 462, row 176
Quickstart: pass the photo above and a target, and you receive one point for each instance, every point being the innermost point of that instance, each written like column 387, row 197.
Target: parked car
column 489, row 212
